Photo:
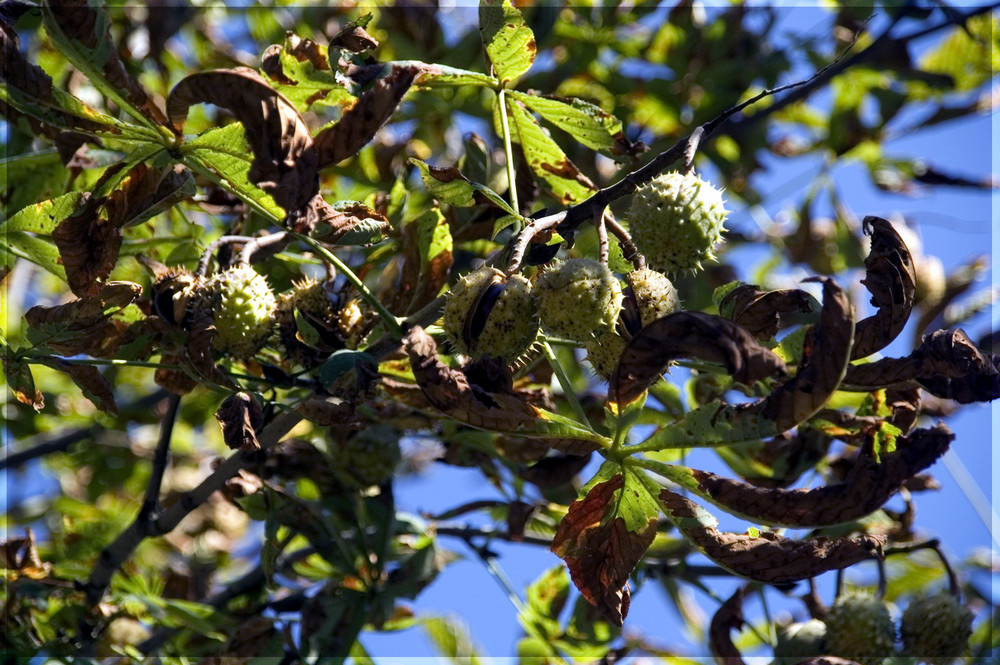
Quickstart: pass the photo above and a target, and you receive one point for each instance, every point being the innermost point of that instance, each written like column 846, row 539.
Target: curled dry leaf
column 555, row 470
column 333, row 223
column 89, row 240
column 19, row 556
column 175, row 381
column 759, row 311
column 768, row 557
column 327, row 411
column 284, row 160
column 240, row 417
column 451, row 391
column 361, row 121
column 891, row 279
column 600, row 549
column 867, row 486
column 727, row 618
column 826, row 353
column 86, row 31
column 690, row 335
column 947, row 364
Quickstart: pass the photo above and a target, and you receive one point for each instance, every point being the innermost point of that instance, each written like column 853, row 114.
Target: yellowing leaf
column 510, row 44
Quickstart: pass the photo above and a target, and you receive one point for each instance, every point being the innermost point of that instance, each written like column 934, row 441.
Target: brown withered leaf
column 176, row 381
column 327, row 411
column 451, row 391
column 867, row 486
column 690, row 335
column 360, row 122
column 240, row 417
column 727, row 618
column 87, row 29
column 284, row 158
column 600, row 550
column 341, row 220
column 891, row 279
column 20, row 557
column 826, row 353
column 947, row 364
column 201, row 334
column 89, row 240
column 353, row 37
column 768, row 557
column 95, row 386
column 759, row 311
column 83, row 325
column 16, row 71
column 21, row 383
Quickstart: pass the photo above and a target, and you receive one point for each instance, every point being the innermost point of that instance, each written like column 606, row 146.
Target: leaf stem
column 391, row 322
column 567, row 386
column 104, row 362
column 509, row 153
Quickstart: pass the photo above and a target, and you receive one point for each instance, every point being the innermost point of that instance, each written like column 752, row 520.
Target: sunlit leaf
column 510, row 44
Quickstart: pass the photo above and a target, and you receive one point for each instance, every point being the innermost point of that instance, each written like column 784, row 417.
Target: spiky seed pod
column 366, row 457
column 603, row 353
column 860, row 628
column 936, row 629
column 801, row 640
column 649, row 296
column 171, row 294
column 578, row 299
column 243, row 309
column 490, row 314
column 676, row 220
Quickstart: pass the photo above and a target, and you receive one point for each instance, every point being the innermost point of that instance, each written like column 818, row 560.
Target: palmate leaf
column 605, row 534
column 546, row 159
column 589, row 124
column 510, row 44
column 284, row 159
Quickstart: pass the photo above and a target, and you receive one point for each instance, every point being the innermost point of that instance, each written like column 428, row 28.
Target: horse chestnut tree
column 269, row 270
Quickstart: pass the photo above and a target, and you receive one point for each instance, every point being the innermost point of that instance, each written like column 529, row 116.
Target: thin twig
column 603, row 250
column 151, row 505
column 630, row 252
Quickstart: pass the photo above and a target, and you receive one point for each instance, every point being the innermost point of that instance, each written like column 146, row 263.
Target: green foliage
column 344, row 162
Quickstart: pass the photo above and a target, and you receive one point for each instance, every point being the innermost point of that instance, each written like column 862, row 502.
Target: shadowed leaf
column 20, row 382
column 91, row 382
column 84, row 325
column 891, row 279
column 240, row 417
column 83, row 34
column 727, row 618
column 89, row 240
column 759, row 311
column 690, row 335
column 767, row 557
column 284, row 160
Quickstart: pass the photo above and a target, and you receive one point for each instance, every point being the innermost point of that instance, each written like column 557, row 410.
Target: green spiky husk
column 578, row 299
column 243, row 310
column 676, row 220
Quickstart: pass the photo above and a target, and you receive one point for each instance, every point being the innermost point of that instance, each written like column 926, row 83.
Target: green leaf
column 300, row 71
column 43, row 217
column 63, row 111
column 40, row 252
column 435, row 247
column 546, row 598
column 587, row 123
column 714, row 424
column 343, row 361
column 546, row 159
column 510, row 44
column 441, row 76
column 226, row 153
column 31, row 177
column 969, row 54
column 83, row 34
column 450, row 186
column 368, row 231
column 452, row 640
